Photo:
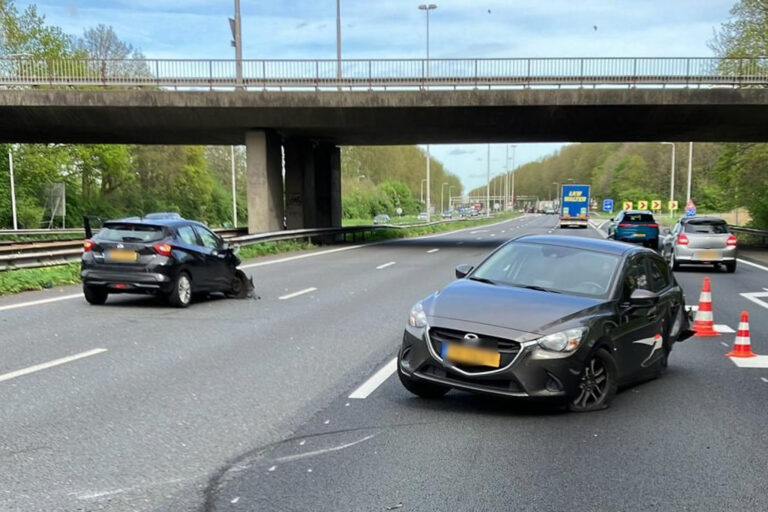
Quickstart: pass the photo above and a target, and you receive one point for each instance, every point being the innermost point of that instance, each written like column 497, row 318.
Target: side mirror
column 643, row 298
column 611, row 219
column 462, row 270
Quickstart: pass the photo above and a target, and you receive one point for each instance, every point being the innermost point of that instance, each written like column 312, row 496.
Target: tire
column 421, row 388
column 181, row 292
column 673, row 261
column 730, row 266
column 241, row 287
column 595, row 394
column 96, row 295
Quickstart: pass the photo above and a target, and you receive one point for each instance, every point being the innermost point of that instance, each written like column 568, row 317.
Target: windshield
column 130, row 233
column 711, row 227
column 552, row 267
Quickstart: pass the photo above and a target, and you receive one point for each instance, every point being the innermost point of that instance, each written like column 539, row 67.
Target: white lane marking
column 41, row 301
column 432, row 250
column 764, row 379
column 724, row 344
column 755, row 297
column 50, row 364
column 385, row 265
column 296, row 294
column 375, row 380
column 298, row 456
column 750, row 362
column 302, row 256
column 723, row 329
column 478, row 231
column 101, row 494
column 745, row 262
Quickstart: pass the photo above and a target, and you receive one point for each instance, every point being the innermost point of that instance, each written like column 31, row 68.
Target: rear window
column 638, row 218
column 712, row 227
column 131, row 233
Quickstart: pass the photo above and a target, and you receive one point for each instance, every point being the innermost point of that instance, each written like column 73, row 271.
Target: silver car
column 700, row 240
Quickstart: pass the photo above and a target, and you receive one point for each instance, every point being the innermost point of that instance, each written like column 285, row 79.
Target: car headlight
column 417, row 318
column 564, row 341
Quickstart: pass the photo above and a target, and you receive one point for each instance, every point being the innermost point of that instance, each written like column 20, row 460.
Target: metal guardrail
column 750, row 231
column 383, row 73
column 63, row 252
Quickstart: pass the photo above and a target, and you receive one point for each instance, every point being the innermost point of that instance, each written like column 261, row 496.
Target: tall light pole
column 234, row 188
column 237, row 41
column 488, row 183
column 338, row 39
column 690, row 171
column 557, row 190
column 450, row 191
column 13, row 190
column 671, row 177
column 442, row 203
column 511, row 193
column 422, row 190
column 427, row 8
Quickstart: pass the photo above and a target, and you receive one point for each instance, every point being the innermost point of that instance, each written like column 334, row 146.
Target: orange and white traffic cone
column 742, row 346
column 704, row 321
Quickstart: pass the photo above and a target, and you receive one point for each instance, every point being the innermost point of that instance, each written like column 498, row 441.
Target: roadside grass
column 405, row 219
column 15, row 281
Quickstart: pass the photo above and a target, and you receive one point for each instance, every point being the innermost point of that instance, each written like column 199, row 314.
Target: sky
column 282, row 29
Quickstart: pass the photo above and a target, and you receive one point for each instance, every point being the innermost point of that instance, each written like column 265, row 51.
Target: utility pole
column 237, row 41
column 429, row 213
column 234, row 188
column 338, row 40
column 13, row 190
column 671, row 177
column 488, row 183
column 422, row 190
column 442, row 198
column 690, row 171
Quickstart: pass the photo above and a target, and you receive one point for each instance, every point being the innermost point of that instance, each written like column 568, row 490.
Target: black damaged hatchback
column 547, row 317
column 159, row 255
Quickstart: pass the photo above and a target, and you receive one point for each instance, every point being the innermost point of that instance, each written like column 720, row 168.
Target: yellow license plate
column 708, row 255
column 122, row 256
column 639, row 235
column 472, row 355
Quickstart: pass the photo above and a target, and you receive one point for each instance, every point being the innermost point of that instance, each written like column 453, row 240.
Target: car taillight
column 88, row 245
column 625, row 225
column 653, row 225
column 682, row 239
column 732, row 240
column 163, row 249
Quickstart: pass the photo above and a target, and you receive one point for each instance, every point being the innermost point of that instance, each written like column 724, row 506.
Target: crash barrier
column 760, row 233
column 742, row 345
column 40, row 253
column 704, row 321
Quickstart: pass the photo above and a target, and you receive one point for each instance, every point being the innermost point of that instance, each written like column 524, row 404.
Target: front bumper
column 526, row 376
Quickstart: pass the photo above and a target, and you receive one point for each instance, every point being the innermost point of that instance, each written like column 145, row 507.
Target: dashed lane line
column 50, row 364
column 764, row 379
column 296, row 294
column 375, row 380
column 432, row 251
column 385, row 265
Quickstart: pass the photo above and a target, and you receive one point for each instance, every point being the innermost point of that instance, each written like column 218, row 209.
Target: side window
column 209, row 239
column 660, row 279
column 187, row 234
column 635, row 278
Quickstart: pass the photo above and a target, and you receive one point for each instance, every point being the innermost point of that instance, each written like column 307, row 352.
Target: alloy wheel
column 185, row 289
column 593, row 385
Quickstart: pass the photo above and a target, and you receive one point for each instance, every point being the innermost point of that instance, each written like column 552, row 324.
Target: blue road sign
column 690, row 209
column 607, row 205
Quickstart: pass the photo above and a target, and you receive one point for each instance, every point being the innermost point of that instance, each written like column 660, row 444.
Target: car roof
column 686, row 220
column 580, row 242
column 648, row 212
column 154, row 222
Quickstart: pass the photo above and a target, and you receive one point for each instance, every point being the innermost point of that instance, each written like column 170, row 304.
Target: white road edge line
column 375, row 380
column 385, row 265
column 41, row 301
column 745, row 262
column 50, row 364
column 296, row 294
column 432, row 250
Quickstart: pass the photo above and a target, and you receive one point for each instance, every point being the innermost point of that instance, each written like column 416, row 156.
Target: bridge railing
column 385, row 73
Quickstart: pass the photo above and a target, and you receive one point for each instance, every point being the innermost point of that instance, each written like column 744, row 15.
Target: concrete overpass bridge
column 302, row 108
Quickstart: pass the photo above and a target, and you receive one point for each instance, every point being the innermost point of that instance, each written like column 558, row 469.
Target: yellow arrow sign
column 627, row 205
column 655, row 205
column 673, row 205
column 642, row 205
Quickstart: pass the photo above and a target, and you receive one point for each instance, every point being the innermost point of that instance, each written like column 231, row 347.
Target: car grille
column 507, row 348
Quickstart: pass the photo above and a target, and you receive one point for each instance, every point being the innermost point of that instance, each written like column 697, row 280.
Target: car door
column 668, row 242
column 670, row 300
column 218, row 272
column 194, row 259
column 635, row 335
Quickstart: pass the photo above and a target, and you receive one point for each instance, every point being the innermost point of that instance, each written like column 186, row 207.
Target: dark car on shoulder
column 161, row 255
column 547, row 317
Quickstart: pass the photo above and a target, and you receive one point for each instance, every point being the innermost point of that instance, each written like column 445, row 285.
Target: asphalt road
column 244, row 405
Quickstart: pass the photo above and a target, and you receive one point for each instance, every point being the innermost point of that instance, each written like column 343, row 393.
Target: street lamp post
column 450, row 191
column 488, row 183
column 13, row 190
column 511, row 193
column 442, row 203
column 671, row 177
column 427, row 8
column 557, row 191
column 690, row 172
column 338, row 39
column 237, row 41
column 422, row 190
column 234, row 187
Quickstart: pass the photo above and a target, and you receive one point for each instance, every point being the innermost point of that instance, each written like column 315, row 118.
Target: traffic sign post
column 608, row 205
column 690, row 208
column 627, row 205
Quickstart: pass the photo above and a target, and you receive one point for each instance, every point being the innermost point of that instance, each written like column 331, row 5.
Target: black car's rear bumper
column 158, row 280
column 524, row 377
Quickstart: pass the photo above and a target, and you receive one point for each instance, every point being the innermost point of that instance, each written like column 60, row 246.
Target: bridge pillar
column 312, row 184
column 265, row 181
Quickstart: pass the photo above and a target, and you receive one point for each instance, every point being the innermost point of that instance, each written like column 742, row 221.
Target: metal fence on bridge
column 299, row 74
